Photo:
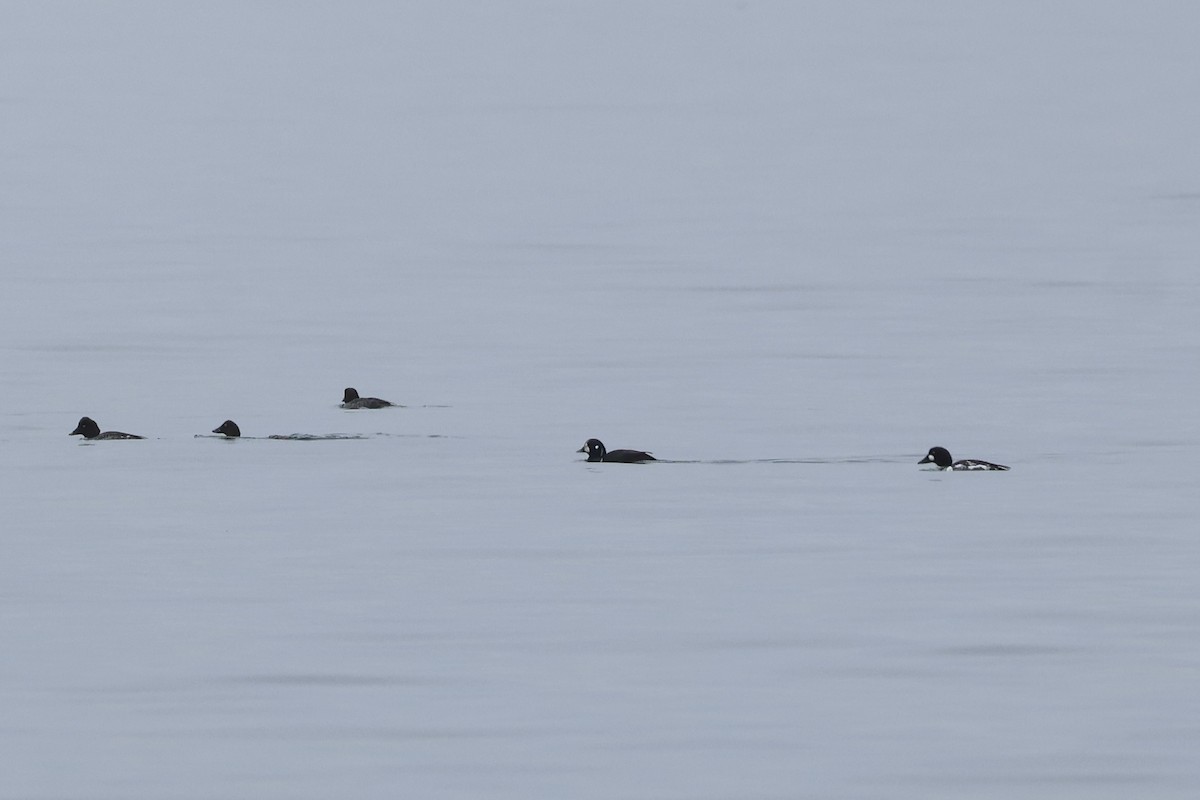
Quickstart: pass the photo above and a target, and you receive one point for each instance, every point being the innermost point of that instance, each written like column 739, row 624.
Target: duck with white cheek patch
column 940, row 457
column 597, row 452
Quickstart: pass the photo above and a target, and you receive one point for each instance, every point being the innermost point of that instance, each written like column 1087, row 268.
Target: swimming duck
column 350, row 399
column 88, row 428
column 596, row 452
column 940, row 456
column 229, row 428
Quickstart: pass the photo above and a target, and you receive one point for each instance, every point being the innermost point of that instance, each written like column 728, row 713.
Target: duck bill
column 78, row 430
column 582, row 449
column 926, row 460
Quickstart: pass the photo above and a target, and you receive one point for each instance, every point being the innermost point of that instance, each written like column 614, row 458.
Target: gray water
column 787, row 247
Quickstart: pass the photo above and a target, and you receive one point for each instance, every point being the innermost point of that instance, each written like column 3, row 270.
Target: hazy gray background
column 798, row 243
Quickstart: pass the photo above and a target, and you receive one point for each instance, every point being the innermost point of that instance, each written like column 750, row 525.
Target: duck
column 229, row 428
column 231, row 431
column 88, row 428
column 597, row 452
column 940, row 457
column 350, row 399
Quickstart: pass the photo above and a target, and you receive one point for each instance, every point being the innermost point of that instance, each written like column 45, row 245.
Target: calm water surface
column 786, row 249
